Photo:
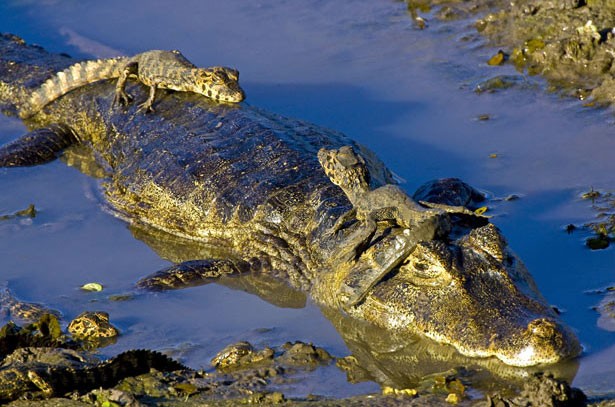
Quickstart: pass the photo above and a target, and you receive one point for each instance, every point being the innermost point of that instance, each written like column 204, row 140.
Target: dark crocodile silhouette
column 39, row 359
column 72, row 371
column 247, row 186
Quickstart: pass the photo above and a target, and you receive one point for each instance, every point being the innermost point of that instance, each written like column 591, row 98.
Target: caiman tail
column 73, row 77
column 59, row 381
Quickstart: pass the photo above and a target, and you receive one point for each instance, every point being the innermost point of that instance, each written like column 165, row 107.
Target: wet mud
column 569, row 43
column 42, row 366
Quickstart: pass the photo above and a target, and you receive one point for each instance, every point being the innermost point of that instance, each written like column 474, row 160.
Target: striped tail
column 73, row 77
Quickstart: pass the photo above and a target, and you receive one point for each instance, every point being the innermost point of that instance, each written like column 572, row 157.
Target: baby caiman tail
column 73, row 77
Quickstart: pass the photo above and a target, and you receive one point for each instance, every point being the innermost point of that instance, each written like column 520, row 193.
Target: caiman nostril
column 543, row 328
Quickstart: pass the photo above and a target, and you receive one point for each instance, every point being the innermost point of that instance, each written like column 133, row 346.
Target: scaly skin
column 156, row 69
column 247, row 187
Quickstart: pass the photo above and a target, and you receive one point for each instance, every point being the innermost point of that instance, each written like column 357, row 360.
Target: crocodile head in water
column 219, row 83
column 474, row 294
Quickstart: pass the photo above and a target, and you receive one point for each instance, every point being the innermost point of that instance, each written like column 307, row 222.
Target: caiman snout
column 544, row 341
column 544, row 329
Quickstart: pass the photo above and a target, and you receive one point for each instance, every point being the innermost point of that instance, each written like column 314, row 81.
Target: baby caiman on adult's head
column 475, row 294
column 436, row 269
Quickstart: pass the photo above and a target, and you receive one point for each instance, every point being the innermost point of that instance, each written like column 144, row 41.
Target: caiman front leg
column 121, row 97
column 455, row 210
column 194, row 273
column 346, row 243
column 380, row 259
column 40, row 146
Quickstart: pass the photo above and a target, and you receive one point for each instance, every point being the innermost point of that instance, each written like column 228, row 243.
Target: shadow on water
column 343, row 107
column 358, row 114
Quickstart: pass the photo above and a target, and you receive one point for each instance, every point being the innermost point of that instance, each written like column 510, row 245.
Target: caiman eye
column 428, row 264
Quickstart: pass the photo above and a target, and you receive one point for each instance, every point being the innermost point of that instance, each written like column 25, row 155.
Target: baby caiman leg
column 147, row 105
column 348, row 216
column 380, row 259
column 350, row 241
column 40, row 146
column 193, row 273
column 121, row 97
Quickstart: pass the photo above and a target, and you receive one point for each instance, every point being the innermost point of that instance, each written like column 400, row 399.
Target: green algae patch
column 598, row 242
column 502, row 82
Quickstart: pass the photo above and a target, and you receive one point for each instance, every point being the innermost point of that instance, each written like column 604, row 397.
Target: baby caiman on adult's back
column 308, row 205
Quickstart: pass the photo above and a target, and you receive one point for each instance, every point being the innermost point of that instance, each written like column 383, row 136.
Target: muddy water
column 356, row 66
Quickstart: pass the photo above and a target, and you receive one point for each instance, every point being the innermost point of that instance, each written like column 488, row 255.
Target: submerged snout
column 544, row 341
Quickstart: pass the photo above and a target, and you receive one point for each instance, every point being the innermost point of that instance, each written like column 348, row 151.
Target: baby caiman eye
column 233, row 74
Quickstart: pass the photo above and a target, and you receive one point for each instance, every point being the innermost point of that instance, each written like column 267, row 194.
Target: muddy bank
column 47, row 365
column 570, row 43
column 43, row 366
column 603, row 225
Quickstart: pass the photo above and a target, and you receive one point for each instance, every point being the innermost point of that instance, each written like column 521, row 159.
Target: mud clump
column 602, row 227
column 544, row 391
column 570, row 43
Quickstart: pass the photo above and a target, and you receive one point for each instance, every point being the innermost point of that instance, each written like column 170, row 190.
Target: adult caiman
column 307, row 205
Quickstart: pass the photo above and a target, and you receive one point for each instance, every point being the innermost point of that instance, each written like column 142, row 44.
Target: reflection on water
column 356, row 66
column 402, row 362
column 391, row 359
column 179, row 250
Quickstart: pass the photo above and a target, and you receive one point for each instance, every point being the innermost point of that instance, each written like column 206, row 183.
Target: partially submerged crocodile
column 47, row 372
column 248, row 184
column 39, row 359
